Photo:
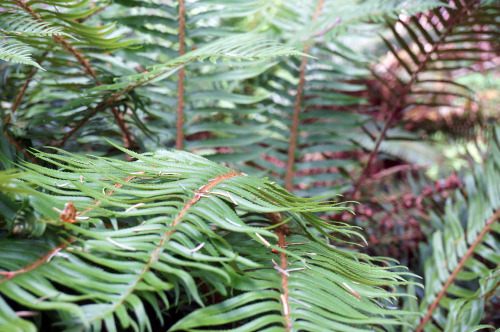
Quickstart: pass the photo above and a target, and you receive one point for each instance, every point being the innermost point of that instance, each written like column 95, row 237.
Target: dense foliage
column 274, row 108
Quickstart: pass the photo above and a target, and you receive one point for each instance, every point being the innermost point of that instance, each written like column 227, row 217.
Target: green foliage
column 181, row 224
column 463, row 250
column 173, row 240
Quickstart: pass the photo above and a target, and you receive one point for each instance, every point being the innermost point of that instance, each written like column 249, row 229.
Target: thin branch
column 455, row 272
column 402, row 96
column 82, row 122
column 95, row 12
column 112, row 99
column 490, row 294
column 180, row 88
column 198, row 195
column 126, row 136
column 101, row 106
column 296, row 111
column 11, row 274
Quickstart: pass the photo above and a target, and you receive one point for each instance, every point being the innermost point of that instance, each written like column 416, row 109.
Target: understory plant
column 283, row 114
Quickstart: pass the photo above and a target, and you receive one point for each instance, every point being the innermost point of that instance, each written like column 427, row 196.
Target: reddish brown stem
column 460, row 266
column 126, row 135
column 82, row 122
column 105, row 104
column 180, row 87
column 295, row 125
column 11, row 274
column 282, row 231
column 402, row 96
column 284, row 283
column 492, row 292
column 97, row 203
column 296, row 111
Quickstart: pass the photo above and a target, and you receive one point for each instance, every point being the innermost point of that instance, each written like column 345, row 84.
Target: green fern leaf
column 17, row 52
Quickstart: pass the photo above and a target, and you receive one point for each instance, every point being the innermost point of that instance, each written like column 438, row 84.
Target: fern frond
column 171, row 211
column 430, row 58
column 17, row 52
column 327, row 272
column 249, row 47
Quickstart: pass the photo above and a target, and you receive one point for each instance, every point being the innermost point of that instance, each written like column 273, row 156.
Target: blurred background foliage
column 396, row 108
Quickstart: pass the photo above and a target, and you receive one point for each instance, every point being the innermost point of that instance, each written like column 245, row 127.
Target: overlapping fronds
column 43, row 26
column 174, row 228
column 302, row 287
column 329, row 98
column 338, row 17
column 98, row 243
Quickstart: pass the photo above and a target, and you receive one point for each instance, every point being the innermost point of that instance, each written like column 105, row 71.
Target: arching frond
column 163, row 225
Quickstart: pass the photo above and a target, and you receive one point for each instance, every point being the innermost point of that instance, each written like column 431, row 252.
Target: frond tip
column 17, row 52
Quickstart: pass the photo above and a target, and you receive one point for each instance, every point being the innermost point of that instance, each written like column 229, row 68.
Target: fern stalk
column 401, row 98
column 101, row 106
column 46, row 258
column 180, row 88
column 455, row 272
column 296, row 111
column 281, row 231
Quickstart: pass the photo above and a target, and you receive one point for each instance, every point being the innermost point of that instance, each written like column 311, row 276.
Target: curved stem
column 460, row 266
